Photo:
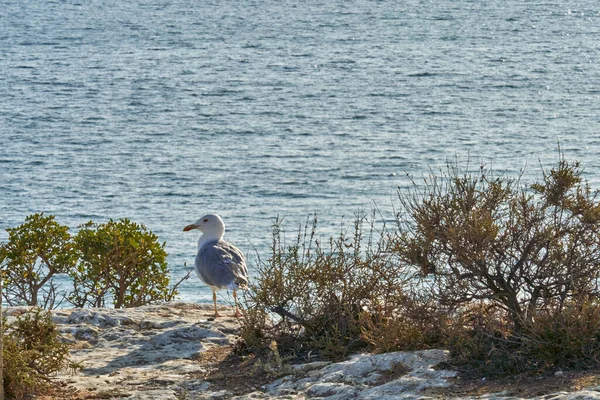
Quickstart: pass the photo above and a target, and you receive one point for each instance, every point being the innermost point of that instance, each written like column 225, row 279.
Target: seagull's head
column 210, row 224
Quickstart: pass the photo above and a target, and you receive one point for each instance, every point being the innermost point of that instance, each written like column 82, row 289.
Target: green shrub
column 36, row 251
column 122, row 262
column 32, row 352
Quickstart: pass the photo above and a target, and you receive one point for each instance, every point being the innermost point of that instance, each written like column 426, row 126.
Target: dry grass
column 225, row 369
column 523, row 386
column 316, row 298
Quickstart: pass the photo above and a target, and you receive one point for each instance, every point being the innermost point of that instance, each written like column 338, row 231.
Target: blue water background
column 160, row 111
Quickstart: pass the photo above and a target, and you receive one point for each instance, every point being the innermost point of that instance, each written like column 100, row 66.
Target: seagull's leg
column 215, row 301
column 237, row 311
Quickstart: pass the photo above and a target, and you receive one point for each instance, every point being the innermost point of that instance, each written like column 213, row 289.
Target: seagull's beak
column 190, row 227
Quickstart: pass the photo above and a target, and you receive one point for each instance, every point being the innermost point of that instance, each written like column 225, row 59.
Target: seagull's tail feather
column 241, row 283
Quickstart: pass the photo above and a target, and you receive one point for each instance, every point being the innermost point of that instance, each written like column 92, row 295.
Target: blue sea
column 163, row 110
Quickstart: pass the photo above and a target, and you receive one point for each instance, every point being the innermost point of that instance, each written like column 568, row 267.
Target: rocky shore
column 174, row 351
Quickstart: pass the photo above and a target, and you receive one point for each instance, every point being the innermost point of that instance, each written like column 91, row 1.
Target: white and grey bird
column 219, row 264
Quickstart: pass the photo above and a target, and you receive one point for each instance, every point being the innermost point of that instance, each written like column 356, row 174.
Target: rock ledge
column 152, row 352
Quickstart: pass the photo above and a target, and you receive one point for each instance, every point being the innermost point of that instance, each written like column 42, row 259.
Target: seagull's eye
column 205, row 219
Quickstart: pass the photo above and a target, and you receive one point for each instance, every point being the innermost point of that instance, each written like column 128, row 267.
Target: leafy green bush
column 122, row 262
column 32, row 352
column 36, row 251
column 119, row 262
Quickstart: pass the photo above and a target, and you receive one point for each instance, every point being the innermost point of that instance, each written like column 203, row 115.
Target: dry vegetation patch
column 524, row 386
column 227, row 370
column 502, row 273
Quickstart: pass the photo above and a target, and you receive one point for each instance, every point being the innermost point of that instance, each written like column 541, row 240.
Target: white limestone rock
column 142, row 353
column 150, row 353
column 364, row 376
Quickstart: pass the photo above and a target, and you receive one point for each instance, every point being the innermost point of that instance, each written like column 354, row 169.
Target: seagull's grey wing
column 238, row 265
column 222, row 265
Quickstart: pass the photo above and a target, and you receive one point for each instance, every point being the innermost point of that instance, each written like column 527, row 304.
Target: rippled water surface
column 160, row 111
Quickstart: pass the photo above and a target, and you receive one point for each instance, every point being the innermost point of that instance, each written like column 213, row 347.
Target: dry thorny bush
column 492, row 239
column 319, row 299
column 32, row 352
column 528, row 257
column 503, row 274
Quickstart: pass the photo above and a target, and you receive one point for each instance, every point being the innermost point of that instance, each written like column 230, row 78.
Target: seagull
column 219, row 264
